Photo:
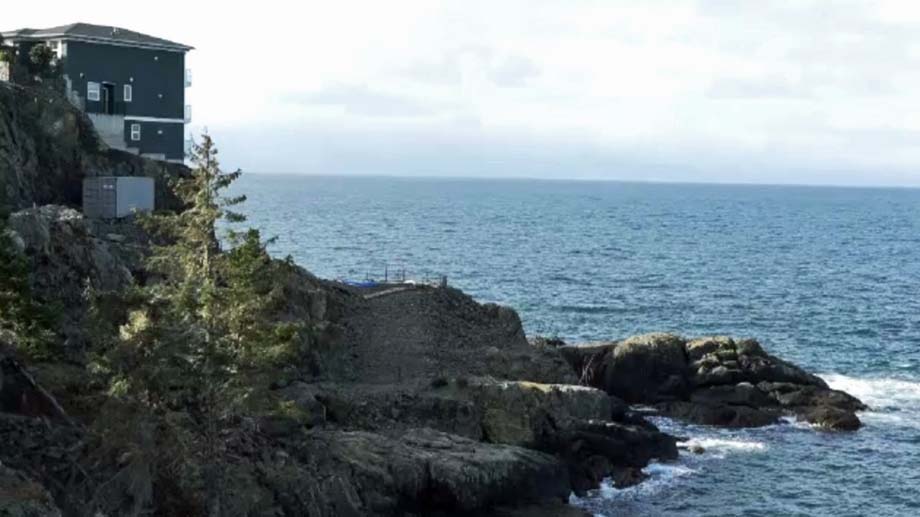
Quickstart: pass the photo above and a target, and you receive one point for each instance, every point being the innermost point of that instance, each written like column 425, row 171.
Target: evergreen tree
column 201, row 338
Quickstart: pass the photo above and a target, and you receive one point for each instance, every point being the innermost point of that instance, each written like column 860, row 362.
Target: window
column 135, row 132
column 129, row 93
column 92, row 91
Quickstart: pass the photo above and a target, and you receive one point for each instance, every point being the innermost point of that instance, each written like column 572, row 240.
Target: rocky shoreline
column 423, row 402
column 714, row 380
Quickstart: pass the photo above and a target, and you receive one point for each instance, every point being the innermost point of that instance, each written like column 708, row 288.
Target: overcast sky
column 794, row 91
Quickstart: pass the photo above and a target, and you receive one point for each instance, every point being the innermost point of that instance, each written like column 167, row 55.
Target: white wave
column 721, row 447
column 660, row 476
column 794, row 421
column 878, row 392
column 891, row 401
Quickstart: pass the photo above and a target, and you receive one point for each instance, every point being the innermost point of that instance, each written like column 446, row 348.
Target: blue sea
column 826, row 277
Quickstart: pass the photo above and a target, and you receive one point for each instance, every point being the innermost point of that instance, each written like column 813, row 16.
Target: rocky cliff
column 417, row 402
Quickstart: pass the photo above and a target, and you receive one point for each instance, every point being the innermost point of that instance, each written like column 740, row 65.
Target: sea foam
column 721, row 447
column 891, row 401
column 660, row 476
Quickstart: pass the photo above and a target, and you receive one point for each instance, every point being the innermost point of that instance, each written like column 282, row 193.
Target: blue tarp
column 367, row 283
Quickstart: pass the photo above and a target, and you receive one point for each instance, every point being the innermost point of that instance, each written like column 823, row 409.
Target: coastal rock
column 527, row 414
column 587, row 359
column 570, row 422
column 721, row 360
column 714, row 380
column 741, row 394
column 792, row 395
column 424, row 332
column 831, row 418
column 425, row 471
column 554, row 509
column 644, row 368
column 721, row 415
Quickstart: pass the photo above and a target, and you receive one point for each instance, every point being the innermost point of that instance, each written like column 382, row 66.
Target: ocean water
column 826, row 277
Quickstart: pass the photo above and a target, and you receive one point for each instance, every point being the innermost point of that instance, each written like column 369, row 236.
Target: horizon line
column 593, row 180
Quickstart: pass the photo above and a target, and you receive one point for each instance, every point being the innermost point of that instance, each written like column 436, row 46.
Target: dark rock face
column 425, row 333
column 713, row 380
column 648, row 367
column 721, row 415
column 575, row 424
column 65, row 258
column 421, row 472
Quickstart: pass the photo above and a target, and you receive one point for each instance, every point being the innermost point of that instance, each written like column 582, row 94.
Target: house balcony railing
column 188, row 77
column 188, row 113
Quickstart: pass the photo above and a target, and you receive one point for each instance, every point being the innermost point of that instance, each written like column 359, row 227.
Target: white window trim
column 135, row 132
column 93, row 91
column 128, row 93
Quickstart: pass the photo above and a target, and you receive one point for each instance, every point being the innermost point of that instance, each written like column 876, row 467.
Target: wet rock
column 555, row 509
column 598, row 450
column 793, row 395
column 831, row 418
column 714, row 380
column 625, row 477
column 741, row 394
column 618, row 409
column 721, row 415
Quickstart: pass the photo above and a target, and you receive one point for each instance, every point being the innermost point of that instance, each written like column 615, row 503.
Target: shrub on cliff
column 22, row 320
column 41, row 61
column 198, row 346
column 5, row 53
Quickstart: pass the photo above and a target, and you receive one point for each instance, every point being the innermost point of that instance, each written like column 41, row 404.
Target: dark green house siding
column 157, row 79
column 158, row 138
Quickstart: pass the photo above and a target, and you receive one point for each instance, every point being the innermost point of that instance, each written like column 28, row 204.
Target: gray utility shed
column 112, row 197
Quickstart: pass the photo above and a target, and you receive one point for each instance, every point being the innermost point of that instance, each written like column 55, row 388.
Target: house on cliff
column 131, row 85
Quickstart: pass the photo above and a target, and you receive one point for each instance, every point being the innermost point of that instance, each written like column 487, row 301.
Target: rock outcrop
column 712, row 380
column 66, row 258
column 578, row 425
column 426, row 333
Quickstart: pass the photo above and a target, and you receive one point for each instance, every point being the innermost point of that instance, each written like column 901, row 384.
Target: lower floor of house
column 162, row 139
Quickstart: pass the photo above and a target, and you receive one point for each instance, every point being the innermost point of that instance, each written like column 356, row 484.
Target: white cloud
column 564, row 88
